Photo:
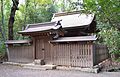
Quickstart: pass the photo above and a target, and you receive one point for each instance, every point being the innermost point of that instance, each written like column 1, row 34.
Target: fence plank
column 101, row 53
column 21, row 53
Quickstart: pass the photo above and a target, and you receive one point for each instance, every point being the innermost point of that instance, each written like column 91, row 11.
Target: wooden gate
column 42, row 49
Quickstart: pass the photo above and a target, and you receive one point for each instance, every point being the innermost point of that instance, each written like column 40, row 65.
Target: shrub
column 111, row 37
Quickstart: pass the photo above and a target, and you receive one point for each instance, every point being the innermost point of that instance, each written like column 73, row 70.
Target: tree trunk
column 12, row 19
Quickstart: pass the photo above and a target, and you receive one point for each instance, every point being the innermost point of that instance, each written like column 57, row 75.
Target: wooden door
column 43, row 49
column 47, row 51
column 39, row 49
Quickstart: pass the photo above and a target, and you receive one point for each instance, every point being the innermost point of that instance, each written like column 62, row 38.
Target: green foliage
column 107, row 11
column 33, row 11
column 108, row 18
column 64, row 5
column 2, row 48
column 118, row 60
column 111, row 37
column 37, row 11
column 2, row 29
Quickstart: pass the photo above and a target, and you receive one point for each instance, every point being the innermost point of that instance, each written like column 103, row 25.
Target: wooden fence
column 43, row 48
column 101, row 53
column 73, row 54
column 67, row 54
column 78, row 54
column 21, row 53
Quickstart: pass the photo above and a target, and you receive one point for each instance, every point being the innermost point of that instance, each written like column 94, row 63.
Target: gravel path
column 16, row 71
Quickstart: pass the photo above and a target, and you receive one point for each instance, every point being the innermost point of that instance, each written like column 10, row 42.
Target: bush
column 111, row 37
column 2, row 50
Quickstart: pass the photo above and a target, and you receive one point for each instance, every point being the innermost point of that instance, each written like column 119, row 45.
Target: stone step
column 50, row 67
column 34, row 67
column 40, row 67
column 39, row 62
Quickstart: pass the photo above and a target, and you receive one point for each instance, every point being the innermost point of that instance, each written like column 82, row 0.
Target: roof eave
column 94, row 38
column 18, row 42
column 71, row 41
column 22, row 32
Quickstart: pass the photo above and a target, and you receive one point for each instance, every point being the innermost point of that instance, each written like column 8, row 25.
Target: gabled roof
column 66, row 20
column 73, row 19
column 77, row 38
column 39, row 27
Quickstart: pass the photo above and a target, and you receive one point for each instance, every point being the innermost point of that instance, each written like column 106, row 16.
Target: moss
column 118, row 60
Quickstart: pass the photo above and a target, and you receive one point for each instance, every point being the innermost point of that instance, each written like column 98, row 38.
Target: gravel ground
column 16, row 71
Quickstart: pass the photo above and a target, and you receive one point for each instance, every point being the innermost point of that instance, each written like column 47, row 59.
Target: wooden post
column 92, row 54
column 34, row 49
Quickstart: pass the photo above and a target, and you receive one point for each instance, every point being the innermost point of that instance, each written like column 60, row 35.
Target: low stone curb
column 32, row 66
column 90, row 70
column 52, row 67
column 12, row 63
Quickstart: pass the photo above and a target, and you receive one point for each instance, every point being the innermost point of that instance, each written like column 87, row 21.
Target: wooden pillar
column 34, row 49
column 92, row 54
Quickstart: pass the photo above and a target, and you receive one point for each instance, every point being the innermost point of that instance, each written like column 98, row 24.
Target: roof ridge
column 66, row 13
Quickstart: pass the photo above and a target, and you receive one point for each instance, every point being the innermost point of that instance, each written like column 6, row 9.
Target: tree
column 2, row 30
column 33, row 11
column 108, row 18
column 12, row 19
column 107, row 11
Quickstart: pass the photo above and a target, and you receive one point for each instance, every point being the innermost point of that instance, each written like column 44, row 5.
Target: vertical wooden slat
column 80, row 53
column 101, row 51
column 21, row 53
column 77, row 54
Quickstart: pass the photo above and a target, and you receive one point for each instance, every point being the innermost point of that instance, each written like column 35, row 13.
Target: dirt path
column 16, row 71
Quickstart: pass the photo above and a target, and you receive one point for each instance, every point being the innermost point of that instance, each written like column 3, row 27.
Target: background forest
column 36, row 11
